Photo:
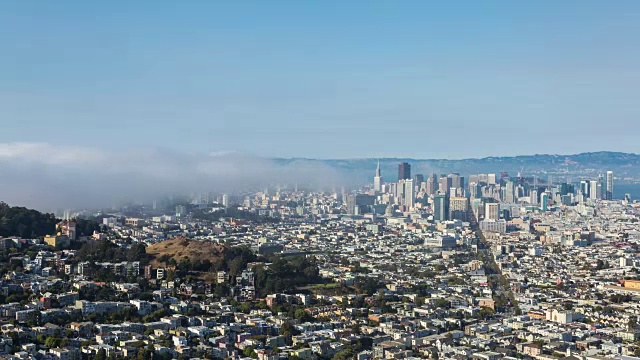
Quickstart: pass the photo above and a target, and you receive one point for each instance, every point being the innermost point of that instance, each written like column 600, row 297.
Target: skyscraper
column 508, row 192
column 585, row 189
column 492, row 211
column 458, row 208
column 404, row 171
column 609, row 190
column 444, row 185
column 400, row 190
column 377, row 180
column 431, row 186
column 440, row 207
column 409, row 194
column 594, row 190
column 544, row 202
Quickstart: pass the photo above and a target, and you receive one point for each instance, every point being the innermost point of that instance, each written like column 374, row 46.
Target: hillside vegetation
column 180, row 248
column 29, row 223
column 25, row 223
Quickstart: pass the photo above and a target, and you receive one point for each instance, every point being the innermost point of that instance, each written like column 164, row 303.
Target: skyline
column 45, row 176
column 322, row 81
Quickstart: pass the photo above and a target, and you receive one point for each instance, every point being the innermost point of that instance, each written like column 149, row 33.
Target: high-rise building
column 409, row 194
column 431, row 186
column 404, row 171
column 444, row 185
column 492, row 211
column 458, row 208
column 585, row 189
column 226, row 200
column 533, row 197
column 181, row 211
column 455, row 180
column 491, row 179
column 351, row 205
column 609, row 189
column 400, row 191
column 440, row 207
column 418, row 179
column 544, row 202
column 377, row 180
column 508, row 196
column 594, row 190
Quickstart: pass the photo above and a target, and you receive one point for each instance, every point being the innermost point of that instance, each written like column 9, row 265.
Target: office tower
column 455, row 180
column 508, row 192
column 458, row 208
column 404, row 171
column 492, row 211
column 544, row 202
column 431, row 186
column 351, row 204
column 584, row 188
column 444, row 185
column 409, row 194
column 609, row 188
column 226, row 200
column 181, row 211
column 475, row 190
column 377, row 180
column 440, row 207
column 566, row 188
column 393, row 189
column 418, row 179
column 533, row 197
column 400, row 191
column 550, row 181
column 422, row 187
column 491, row 179
column 478, row 208
column 594, row 190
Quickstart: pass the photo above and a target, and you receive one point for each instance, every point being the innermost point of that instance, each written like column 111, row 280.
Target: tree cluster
column 25, row 223
column 106, row 251
column 286, row 274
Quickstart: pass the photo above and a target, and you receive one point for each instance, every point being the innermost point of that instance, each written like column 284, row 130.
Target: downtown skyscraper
column 377, row 180
column 404, row 171
column 609, row 188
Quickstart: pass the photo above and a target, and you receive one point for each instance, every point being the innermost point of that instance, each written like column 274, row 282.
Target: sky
column 319, row 79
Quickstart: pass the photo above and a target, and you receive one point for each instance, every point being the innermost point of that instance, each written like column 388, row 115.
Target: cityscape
column 319, row 180
column 484, row 266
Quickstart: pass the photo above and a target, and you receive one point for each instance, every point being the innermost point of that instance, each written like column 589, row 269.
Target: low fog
column 47, row 176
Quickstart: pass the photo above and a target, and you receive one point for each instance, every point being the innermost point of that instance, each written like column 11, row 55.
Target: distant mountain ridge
column 583, row 165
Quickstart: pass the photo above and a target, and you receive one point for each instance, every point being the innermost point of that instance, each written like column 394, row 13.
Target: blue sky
column 323, row 79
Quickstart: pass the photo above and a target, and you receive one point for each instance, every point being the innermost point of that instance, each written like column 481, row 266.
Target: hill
column 28, row 223
column 587, row 165
column 180, row 248
column 25, row 223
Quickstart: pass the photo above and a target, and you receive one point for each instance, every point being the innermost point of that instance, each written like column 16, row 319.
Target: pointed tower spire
column 377, row 180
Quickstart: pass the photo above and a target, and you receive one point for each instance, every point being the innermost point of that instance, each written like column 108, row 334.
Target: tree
column 249, row 351
column 52, row 342
column 101, row 355
column 246, row 307
column 302, row 316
